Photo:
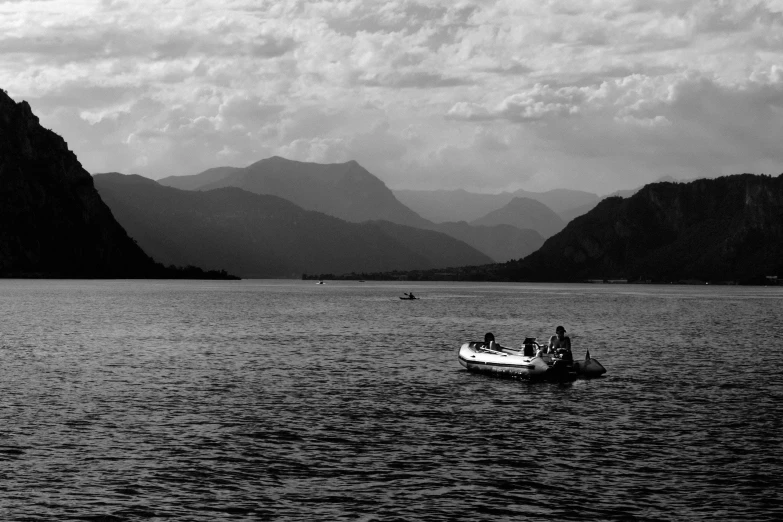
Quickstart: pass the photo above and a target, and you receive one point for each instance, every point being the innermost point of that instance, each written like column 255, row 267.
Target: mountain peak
column 344, row 190
column 525, row 202
column 525, row 213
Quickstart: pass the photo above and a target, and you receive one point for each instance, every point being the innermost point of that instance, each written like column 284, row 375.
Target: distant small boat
column 320, row 283
column 409, row 298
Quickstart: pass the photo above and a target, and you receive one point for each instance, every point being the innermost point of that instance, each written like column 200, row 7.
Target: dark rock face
column 724, row 229
column 52, row 220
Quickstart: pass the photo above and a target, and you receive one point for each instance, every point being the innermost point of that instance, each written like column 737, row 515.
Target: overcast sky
column 477, row 94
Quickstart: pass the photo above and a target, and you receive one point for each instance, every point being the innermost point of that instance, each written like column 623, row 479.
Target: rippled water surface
column 287, row 400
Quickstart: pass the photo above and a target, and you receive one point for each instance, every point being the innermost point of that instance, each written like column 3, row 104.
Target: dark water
column 287, row 400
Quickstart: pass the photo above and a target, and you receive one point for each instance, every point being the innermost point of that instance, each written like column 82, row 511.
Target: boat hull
column 476, row 358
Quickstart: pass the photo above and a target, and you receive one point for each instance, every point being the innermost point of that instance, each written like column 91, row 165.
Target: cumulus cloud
column 482, row 94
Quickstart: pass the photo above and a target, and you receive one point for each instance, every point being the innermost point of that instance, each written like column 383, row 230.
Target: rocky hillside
column 724, row 229
column 344, row 190
column 264, row 236
column 52, row 220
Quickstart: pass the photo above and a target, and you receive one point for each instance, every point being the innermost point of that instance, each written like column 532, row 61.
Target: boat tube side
column 476, row 357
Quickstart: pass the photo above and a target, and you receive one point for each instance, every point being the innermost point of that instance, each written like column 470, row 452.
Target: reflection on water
column 256, row 399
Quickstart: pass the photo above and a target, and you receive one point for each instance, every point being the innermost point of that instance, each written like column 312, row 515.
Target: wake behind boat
column 523, row 363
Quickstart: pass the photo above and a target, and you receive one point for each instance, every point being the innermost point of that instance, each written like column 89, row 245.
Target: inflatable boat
column 475, row 356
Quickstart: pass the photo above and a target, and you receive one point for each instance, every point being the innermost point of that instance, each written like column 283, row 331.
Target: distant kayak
column 409, row 298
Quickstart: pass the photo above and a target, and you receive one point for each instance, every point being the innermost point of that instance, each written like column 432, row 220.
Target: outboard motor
column 561, row 371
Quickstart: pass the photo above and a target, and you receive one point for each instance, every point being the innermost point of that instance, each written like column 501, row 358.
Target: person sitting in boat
column 411, row 296
column 490, row 344
column 560, row 344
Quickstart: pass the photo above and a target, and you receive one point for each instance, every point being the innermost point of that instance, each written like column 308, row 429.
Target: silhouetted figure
column 561, row 344
column 490, row 344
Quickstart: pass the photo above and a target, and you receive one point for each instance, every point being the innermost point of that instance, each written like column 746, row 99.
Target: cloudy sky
column 484, row 95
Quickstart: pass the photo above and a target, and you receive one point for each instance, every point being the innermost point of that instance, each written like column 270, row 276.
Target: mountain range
column 349, row 192
column 460, row 205
column 263, row 236
column 54, row 223
column 727, row 229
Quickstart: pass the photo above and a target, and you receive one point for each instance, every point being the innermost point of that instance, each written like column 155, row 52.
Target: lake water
column 248, row 400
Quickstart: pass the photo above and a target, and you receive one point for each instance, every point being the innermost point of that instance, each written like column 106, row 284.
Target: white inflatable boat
column 475, row 356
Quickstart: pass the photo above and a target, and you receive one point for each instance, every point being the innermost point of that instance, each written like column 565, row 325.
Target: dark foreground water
column 287, row 400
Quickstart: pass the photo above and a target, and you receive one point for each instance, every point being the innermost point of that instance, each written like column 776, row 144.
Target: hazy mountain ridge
column 442, row 206
column 460, row 205
column 525, row 213
column 501, row 242
column 327, row 188
column 198, row 180
column 257, row 235
column 52, row 220
column 724, row 229
column 344, row 190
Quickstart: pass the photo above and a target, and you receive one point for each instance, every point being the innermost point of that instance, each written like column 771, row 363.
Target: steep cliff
column 52, row 220
column 724, row 229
